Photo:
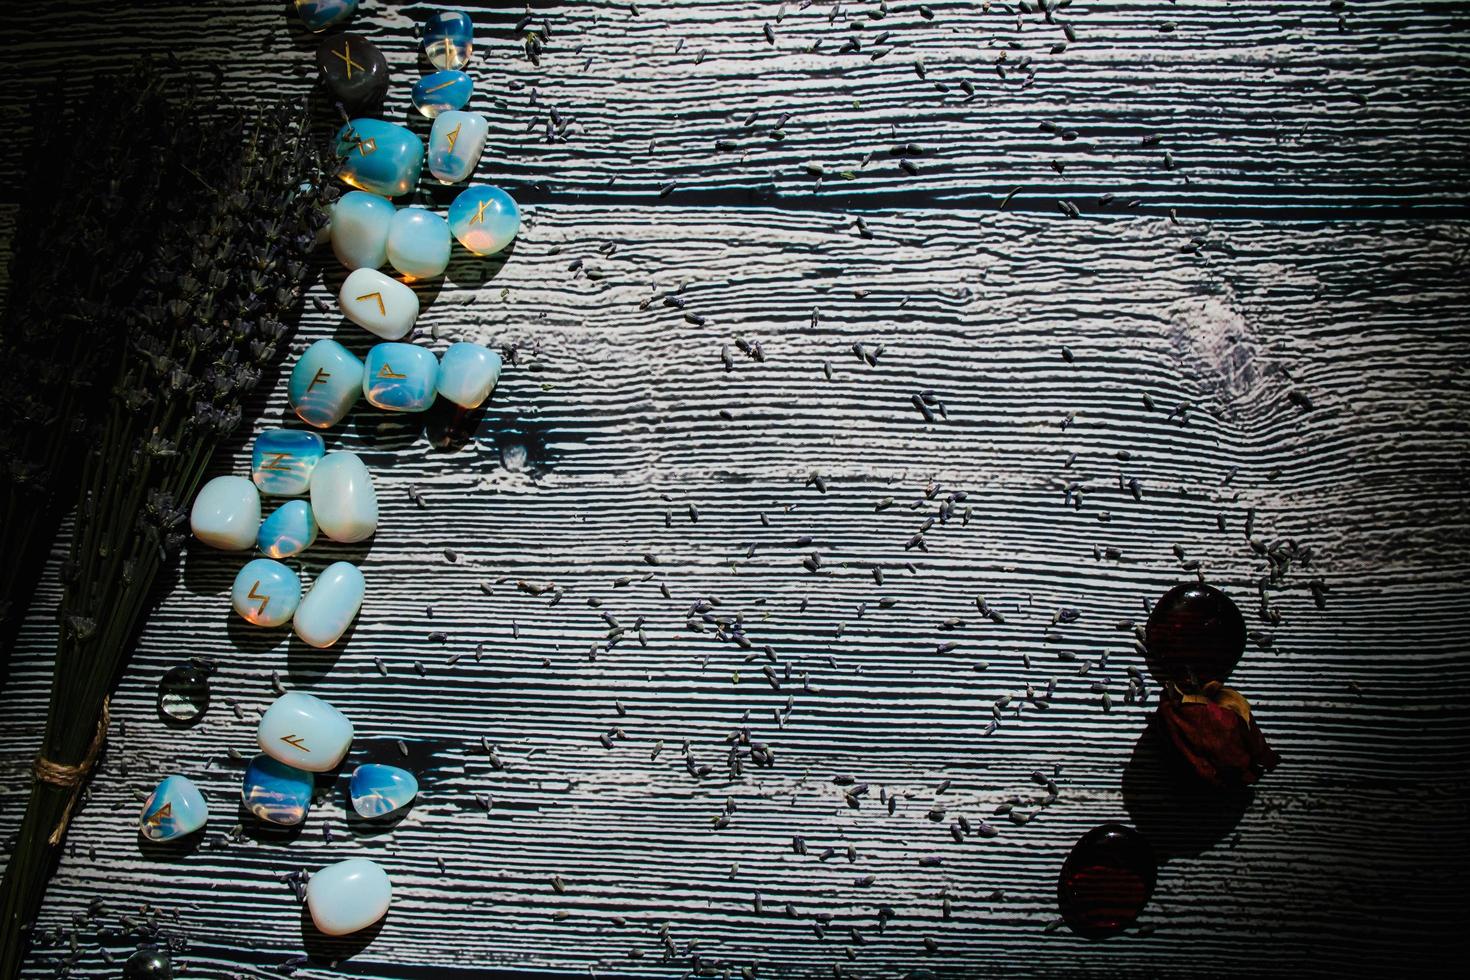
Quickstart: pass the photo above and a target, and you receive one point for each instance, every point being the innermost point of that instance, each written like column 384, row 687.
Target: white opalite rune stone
column 348, row 896
column 378, row 303
column 304, row 731
column 342, row 498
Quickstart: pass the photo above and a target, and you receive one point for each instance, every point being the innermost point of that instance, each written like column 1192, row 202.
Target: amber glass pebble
column 1195, row 633
column 1106, row 880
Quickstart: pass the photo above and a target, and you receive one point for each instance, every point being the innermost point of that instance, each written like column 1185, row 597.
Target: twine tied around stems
column 70, row 777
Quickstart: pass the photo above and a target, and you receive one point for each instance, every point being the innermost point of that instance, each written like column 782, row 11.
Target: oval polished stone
column 266, row 593
column 1195, row 634
column 354, row 69
column 418, row 244
column 174, row 809
column 455, row 144
column 379, row 156
column 1106, row 880
column 318, row 15
column 379, row 304
column 149, row 963
column 448, row 39
column 348, row 896
column 183, row 693
column 485, row 219
column 289, row 530
column 331, row 605
column 325, row 383
column 226, row 513
column 275, row 792
column 377, row 791
column 342, row 498
column 304, row 732
column 281, row 461
column 360, row 229
column 441, row 92
column 468, row 373
column 400, row 377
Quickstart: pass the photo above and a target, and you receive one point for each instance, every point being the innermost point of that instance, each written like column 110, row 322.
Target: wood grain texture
column 605, row 471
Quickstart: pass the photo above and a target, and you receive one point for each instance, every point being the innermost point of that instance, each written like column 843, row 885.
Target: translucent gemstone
column 1106, row 880
column 342, row 498
column 455, row 143
column 325, row 383
column 282, row 460
column 318, row 15
column 379, row 156
column 276, row 792
column 348, row 896
column 484, row 219
column 441, row 92
column 448, row 37
column 290, row 530
column 331, row 605
column 354, row 69
column 467, row 374
column 379, row 304
column 226, row 513
column 149, row 963
column 183, row 693
column 174, row 809
column 1195, row 633
column 377, row 791
column 304, row 732
column 400, row 377
column 360, row 229
column 266, row 592
column 418, row 244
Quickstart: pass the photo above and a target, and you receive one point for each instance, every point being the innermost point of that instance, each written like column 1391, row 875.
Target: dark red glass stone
column 1106, row 880
column 1195, row 634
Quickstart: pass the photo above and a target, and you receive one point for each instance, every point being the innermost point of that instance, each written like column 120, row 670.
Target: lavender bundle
column 85, row 223
column 242, row 200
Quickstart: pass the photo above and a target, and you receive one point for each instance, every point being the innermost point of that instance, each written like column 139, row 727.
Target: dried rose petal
column 1214, row 732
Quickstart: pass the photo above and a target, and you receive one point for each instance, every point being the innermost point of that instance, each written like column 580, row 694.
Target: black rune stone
column 1195, row 635
column 354, row 69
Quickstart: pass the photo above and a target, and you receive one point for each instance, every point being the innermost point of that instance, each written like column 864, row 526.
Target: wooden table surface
column 1242, row 352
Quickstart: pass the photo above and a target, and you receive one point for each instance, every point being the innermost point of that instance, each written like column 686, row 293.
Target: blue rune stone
column 418, row 244
column 447, row 38
column 175, row 809
column 325, row 383
column 266, row 593
column 289, row 531
column 380, row 157
column 282, row 460
column 377, row 791
column 276, row 792
column 318, row 15
column 467, row 374
column 455, row 144
column 441, row 92
column 400, row 377
column 484, row 219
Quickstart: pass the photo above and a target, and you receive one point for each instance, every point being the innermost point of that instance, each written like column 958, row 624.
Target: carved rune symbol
column 453, row 137
column 322, row 374
column 387, row 372
column 295, row 742
column 346, row 55
column 263, row 598
column 430, row 91
column 161, row 814
column 480, row 214
column 364, row 147
column 278, row 463
column 377, row 296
